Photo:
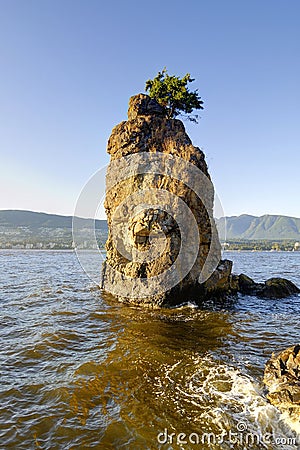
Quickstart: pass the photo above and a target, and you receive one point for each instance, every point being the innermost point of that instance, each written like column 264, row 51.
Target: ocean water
column 80, row 371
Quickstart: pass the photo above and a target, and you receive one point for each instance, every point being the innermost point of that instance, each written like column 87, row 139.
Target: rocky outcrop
column 272, row 288
column 163, row 244
column 282, row 377
column 222, row 280
column 162, row 235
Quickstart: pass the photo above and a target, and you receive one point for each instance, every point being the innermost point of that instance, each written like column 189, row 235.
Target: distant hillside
column 30, row 219
column 267, row 227
column 33, row 230
column 244, row 227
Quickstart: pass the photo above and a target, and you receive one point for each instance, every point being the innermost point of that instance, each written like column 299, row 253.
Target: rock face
column 163, row 247
column 159, row 205
column 282, row 377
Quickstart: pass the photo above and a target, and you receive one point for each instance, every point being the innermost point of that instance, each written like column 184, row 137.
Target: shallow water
column 80, row 371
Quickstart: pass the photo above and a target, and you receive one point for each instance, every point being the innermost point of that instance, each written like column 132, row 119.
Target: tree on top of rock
column 173, row 94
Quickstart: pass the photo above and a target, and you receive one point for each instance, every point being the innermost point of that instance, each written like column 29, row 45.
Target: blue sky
column 68, row 68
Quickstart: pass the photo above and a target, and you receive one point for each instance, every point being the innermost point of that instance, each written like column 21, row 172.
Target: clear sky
column 68, row 68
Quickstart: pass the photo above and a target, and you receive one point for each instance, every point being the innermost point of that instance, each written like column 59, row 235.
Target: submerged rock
column 272, row 288
column 278, row 288
column 282, row 377
column 246, row 285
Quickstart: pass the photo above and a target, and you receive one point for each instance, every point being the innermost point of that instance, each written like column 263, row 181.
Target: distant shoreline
column 70, row 250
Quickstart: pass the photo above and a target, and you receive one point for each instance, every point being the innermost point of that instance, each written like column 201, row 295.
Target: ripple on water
column 79, row 371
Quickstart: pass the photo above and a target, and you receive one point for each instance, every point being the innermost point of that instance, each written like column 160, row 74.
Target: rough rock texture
column 282, row 377
column 163, row 244
column 221, row 281
column 149, row 130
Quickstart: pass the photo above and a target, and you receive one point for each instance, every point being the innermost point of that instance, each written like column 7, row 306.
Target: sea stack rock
column 163, row 245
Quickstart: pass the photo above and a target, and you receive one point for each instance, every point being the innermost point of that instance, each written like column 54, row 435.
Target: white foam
column 236, row 398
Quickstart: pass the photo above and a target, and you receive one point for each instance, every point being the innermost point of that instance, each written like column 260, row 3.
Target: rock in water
column 282, row 377
column 272, row 288
column 278, row 288
column 162, row 238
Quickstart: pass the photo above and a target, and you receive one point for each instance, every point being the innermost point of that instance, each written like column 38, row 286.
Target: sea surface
column 80, row 371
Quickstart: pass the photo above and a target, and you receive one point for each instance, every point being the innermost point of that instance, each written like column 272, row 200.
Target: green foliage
column 173, row 94
column 260, row 245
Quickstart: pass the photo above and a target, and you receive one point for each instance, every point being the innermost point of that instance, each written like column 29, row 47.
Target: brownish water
column 79, row 371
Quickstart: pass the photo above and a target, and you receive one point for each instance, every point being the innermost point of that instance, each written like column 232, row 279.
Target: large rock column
column 162, row 239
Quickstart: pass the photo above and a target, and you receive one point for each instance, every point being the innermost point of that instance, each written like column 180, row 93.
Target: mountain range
column 267, row 227
column 31, row 219
column 243, row 227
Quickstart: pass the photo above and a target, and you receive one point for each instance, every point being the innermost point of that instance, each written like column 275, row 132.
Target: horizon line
column 93, row 218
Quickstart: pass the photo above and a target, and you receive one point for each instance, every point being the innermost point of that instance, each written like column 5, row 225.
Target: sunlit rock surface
column 163, row 247
column 282, row 377
column 160, row 220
